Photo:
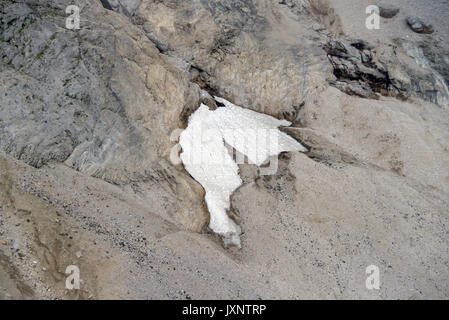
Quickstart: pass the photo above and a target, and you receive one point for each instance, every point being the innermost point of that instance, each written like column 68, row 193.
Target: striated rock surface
column 102, row 101
column 89, row 122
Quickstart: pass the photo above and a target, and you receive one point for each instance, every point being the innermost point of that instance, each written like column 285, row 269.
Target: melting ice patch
column 207, row 159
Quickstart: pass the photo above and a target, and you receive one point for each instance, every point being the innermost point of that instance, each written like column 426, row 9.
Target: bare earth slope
column 88, row 120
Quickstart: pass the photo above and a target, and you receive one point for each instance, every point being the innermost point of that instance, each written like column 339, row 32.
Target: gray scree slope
column 86, row 129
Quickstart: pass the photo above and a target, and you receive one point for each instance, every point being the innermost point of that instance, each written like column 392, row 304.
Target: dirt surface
column 353, row 22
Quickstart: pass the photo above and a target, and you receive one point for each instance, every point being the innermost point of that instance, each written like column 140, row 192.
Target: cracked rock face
column 89, row 120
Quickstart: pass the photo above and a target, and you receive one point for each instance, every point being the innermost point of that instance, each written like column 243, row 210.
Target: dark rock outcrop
column 418, row 25
column 388, row 11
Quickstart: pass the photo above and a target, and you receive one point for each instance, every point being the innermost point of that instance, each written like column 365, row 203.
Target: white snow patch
column 207, row 159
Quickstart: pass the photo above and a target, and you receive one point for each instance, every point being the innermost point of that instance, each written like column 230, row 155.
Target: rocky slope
column 89, row 118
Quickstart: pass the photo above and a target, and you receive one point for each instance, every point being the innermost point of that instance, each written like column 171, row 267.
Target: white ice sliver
column 208, row 161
